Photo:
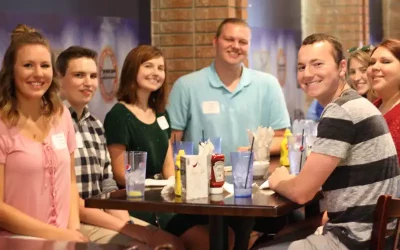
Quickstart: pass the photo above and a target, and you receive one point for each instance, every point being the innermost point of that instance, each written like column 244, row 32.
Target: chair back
column 387, row 208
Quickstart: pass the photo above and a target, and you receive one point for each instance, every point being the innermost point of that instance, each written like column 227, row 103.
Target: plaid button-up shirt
column 92, row 160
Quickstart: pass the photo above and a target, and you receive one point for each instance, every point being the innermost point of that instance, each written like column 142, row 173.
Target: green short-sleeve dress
column 123, row 127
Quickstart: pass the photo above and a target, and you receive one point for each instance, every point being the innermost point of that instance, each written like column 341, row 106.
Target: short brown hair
column 128, row 82
column 232, row 21
column 23, row 35
column 73, row 52
column 337, row 47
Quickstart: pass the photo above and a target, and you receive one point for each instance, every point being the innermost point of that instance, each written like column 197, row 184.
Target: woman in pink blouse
column 38, row 192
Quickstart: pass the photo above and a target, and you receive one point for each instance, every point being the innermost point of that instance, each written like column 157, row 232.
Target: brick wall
column 391, row 18
column 346, row 19
column 184, row 30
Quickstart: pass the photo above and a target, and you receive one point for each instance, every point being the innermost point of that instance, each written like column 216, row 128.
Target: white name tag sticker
column 59, row 141
column 162, row 122
column 79, row 140
column 211, row 107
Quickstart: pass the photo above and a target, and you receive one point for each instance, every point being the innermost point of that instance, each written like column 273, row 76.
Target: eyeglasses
column 365, row 48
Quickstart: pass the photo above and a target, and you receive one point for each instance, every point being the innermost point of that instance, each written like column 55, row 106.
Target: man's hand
column 280, row 174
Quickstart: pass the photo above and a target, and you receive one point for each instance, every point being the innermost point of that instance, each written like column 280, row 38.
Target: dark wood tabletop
column 33, row 244
column 263, row 203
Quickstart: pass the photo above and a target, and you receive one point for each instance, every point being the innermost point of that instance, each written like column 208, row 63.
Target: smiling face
column 151, row 74
column 317, row 72
column 33, row 71
column 233, row 44
column 358, row 76
column 383, row 72
column 80, row 81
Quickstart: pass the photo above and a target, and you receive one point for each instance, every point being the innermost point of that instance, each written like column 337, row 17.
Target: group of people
column 47, row 130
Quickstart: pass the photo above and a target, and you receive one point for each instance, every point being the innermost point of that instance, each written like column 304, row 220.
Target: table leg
column 218, row 233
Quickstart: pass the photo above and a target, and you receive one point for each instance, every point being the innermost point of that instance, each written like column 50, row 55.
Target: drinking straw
column 175, row 146
column 248, row 165
column 202, row 134
column 302, row 148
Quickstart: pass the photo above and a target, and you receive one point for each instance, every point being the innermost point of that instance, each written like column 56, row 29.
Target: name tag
column 59, row 141
column 79, row 140
column 211, row 107
column 162, row 122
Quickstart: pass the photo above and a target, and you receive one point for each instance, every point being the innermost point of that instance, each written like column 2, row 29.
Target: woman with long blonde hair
column 38, row 192
column 357, row 65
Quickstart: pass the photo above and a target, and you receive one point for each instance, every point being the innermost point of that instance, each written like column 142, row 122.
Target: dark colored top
column 392, row 118
column 123, row 127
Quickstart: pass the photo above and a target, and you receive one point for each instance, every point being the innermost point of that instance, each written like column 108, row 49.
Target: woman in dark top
column 139, row 122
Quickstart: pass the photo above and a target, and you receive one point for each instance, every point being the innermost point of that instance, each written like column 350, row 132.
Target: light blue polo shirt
column 200, row 101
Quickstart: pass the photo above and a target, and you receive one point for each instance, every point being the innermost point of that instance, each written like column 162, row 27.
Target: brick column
column 391, row 18
column 348, row 20
column 184, row 30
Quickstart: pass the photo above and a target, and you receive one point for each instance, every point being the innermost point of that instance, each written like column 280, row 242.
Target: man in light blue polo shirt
column 226, row 98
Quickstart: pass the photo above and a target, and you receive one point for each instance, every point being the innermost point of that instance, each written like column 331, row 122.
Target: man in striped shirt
column 353, row 159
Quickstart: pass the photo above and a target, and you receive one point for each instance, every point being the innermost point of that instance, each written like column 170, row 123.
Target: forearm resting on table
column 294, row 190
column 117, row 152
column 168, row 169
column 17, row 222
column 275, row 148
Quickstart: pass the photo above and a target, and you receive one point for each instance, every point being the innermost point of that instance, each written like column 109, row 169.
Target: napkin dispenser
column 194, row 176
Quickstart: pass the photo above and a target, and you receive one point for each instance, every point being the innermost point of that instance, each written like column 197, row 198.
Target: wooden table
column 264, row 203
column 31, row 244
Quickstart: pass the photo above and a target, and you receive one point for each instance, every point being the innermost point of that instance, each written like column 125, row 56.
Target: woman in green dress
column 139, row 122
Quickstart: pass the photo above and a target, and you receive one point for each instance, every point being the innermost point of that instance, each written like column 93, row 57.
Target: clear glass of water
column 240, row 171
column 135, row 173
column 297, row 153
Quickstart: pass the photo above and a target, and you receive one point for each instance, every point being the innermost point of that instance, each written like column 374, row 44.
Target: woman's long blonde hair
column 52, row 105
column 363, row 57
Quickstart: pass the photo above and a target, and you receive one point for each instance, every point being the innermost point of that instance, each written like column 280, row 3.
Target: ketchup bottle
column 217, row 173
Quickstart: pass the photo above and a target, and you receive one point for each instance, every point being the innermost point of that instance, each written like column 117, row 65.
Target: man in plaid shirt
column 78, row 75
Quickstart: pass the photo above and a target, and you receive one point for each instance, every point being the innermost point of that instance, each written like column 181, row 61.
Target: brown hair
column 237, row 21
column 393, row 45
column 73, row 52
column 337, row 47
column 23, row 35
column 363, row 57
column 128, row 82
